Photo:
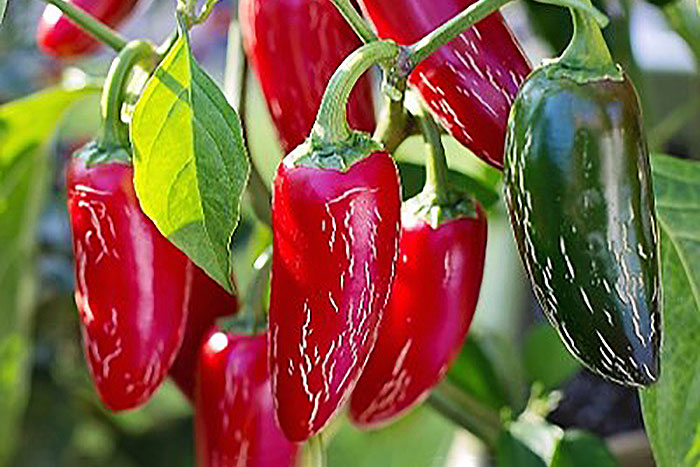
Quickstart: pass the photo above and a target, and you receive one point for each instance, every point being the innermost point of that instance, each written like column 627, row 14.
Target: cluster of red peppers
column 371, row 299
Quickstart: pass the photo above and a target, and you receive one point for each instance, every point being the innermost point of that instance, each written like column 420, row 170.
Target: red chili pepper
column 335, row 237
column 470, row 83
column 208, row 301
column 294, row 46
column 132, row 285
column 433, row 298
column 60, row 37
column 234, row 412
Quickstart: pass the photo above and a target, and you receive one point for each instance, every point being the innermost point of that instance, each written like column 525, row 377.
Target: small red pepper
column 234, row 413
column 335, row 236
column 208, row 301
column 433, row 298
column 470, row 83
column 60, row 37
column 132, row 284
column 294, row 46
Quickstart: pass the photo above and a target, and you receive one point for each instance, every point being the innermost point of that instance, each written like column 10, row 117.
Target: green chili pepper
column 579, row 193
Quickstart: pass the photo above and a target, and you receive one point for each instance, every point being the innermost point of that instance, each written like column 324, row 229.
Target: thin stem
column 356, row 22
column 436, row 171
column 114, row 131
column 256, row 291
column 235, row 88
column 392, row 127
column 91, row 25
column 331, row 121
column 466, row 412
column 451, row 29
column 673, row 123
column 314, row 452
column 472, row 15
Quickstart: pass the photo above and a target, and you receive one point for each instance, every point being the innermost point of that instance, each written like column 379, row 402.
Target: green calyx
column 112, row 142
column 587, row 57
column 425, row 205
column 322, row 154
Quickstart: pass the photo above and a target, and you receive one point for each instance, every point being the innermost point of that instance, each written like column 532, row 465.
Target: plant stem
column 436, row 171
column 392, row 126
column 587, row 49
column 91, row 25
column 466, row 412
column 356, row 22
column 115, row 132
column 331, row 121
column 235, row 88
column 314, row 452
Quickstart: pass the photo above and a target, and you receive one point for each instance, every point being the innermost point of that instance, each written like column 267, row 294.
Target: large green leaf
column 190, row 162
column 580, row 449
column 422, row 438
column 25, row 129
column 671, row 407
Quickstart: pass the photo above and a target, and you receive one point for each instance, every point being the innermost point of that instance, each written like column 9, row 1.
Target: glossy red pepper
column 335, row 236
column 433, row 298
column 60, row 37
column 234, row 413
column 208, row 302
column 470, row 83
column 294, row 46
column 132, row 285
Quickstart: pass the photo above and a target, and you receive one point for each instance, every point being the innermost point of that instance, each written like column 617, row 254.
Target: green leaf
column 537, row 434
column 546, row 358
column 25, row 128
column 190, row 162
column 671, row 407
column 421, row 438
column 512, row 452
column 475, row 373
column 579, row 449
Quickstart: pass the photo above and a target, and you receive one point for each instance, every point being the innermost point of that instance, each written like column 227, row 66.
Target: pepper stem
column 314, row 453
column 331, row 124
column 114, row 132
column 436, row 170
column 356, row 22
column 90, row 24
column 587, row 49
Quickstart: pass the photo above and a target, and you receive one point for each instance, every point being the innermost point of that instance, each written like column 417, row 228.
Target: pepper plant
column 357, row 309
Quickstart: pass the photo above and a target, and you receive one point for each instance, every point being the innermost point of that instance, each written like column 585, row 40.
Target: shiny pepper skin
column 132, row 285
column 294, row 46
column 433, row 298
column 208, row 302
column 234, row 413
column 579, row 193
column 470, row 83
column 60, row 37
column 335, row 237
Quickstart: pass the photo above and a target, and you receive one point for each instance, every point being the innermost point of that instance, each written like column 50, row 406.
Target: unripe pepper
column 132, row 285
column 438, row 275
column 234, row 413
column 579, row 192
column 294, row 46
column 208, row 301
column 470, row 83
column 60, row 37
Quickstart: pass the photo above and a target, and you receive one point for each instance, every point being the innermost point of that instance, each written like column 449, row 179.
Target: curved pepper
column 335, row 236
column 60, row 37
column 578, row 187
column 432, row 302
column 208, row 301
column 133, row 286
column 470, row 83
column 294, row 46
column 234, row 414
